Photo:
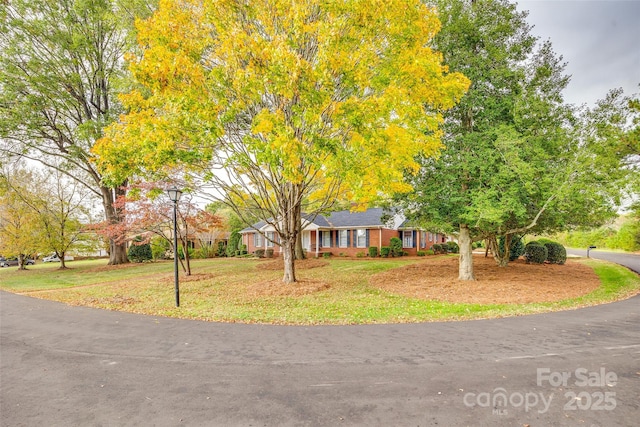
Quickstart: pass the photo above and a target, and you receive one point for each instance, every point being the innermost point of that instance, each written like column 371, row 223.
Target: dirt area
column 435, row 278
column 518, row 283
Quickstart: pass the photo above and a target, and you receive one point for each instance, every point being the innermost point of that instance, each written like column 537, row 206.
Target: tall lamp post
column 174, row 195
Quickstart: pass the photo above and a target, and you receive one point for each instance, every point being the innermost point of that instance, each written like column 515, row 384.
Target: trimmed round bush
column 385, row 251
column 437, row 248
column 373, row 251
column 556, row 253
column 535, row 253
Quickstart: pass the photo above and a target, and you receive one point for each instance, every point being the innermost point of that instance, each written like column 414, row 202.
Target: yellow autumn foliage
column 345, row 93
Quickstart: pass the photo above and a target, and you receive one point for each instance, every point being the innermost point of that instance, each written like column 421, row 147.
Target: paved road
column 631, row 261
column 74, row 366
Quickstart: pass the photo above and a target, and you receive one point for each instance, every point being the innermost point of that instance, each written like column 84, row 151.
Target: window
column 423, row 239
column 257, row 240
column 343, row 238
column 271, row 237
column 407, row 239
column 430, row 237
column 326, row 239
column 361, row 238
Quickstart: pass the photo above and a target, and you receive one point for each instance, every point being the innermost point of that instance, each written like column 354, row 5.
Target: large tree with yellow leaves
column 285, row 105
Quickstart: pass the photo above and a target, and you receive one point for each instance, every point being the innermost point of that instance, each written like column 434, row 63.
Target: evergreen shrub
column 396, row 246
column 222, row 249
column 515, row 250
column 452, row 247
column 140, row 252
column 556, row 253
column 535, row 253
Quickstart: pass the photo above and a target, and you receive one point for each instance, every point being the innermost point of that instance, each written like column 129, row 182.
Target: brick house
column 345, row 232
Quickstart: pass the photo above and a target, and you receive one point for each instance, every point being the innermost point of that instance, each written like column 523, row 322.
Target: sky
column 599, row 41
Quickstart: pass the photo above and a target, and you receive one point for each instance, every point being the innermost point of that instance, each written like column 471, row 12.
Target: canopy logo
column 601, row 400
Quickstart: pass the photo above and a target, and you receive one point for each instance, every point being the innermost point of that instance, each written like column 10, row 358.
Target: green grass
column 79, row 273
column 233, row 290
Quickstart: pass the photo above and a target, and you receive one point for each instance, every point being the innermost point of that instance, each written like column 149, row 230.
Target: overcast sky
column 599, row 40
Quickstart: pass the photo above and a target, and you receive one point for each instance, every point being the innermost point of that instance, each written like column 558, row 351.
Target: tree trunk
column 465, row 268
column 117, row 251
column 289, row 229
column 186, row 266
column 21, row 262
column 63, row 265
column 288, row 249
column 299, row 252
column 501, row 257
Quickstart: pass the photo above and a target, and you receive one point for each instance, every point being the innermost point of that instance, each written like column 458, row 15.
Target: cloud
column 599, row 40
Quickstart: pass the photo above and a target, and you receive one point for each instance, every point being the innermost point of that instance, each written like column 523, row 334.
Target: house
column 345, row 232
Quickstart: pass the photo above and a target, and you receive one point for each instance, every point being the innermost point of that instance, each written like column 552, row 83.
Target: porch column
column 317, row 242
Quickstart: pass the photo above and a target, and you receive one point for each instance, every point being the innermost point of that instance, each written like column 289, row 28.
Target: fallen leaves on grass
column 303, row 264
column 114, row 301
column 191, row 278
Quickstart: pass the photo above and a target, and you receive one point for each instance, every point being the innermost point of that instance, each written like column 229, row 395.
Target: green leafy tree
column 517, row 159
column 60, row 63
column 19, row 226
column 60, row 206
column 288, row 105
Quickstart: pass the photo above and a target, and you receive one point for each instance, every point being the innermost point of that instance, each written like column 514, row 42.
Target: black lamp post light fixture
column 174, row 196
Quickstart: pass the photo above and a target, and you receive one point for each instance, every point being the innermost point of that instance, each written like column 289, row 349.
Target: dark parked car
column 8, row 262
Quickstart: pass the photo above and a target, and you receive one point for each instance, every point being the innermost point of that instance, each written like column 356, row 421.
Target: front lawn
column 336, row 291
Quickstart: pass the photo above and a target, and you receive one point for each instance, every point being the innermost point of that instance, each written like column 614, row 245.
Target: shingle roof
column 369, row 218
column 319, row 220
column 254, row 227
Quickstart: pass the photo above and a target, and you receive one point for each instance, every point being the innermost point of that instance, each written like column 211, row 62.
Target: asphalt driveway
column 631, row 261
column 74, row 366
